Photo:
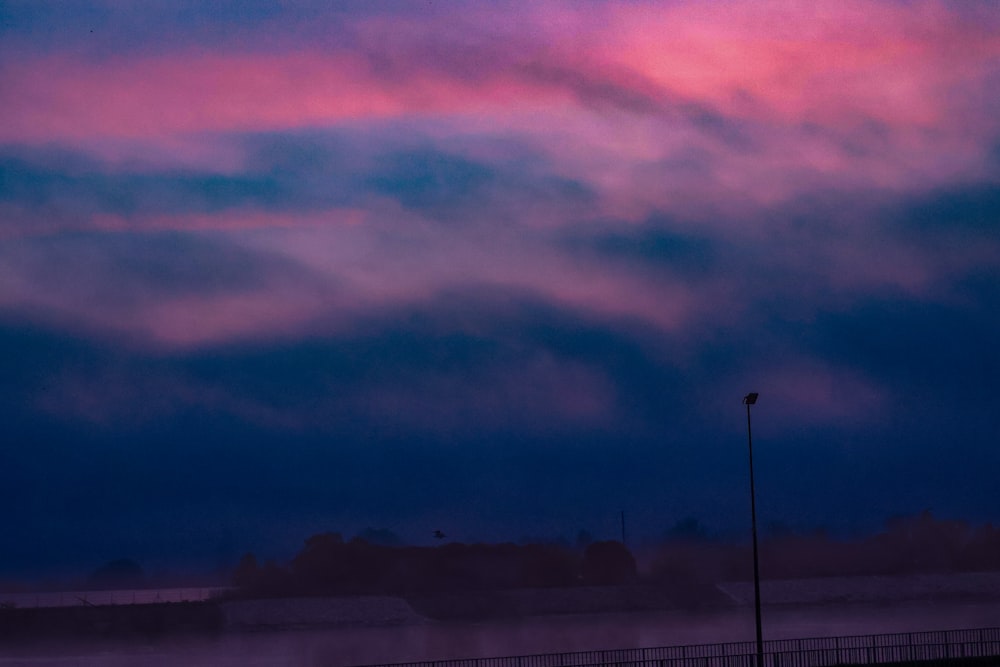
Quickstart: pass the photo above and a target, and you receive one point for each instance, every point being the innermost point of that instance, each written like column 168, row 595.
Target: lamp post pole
column 749, row 400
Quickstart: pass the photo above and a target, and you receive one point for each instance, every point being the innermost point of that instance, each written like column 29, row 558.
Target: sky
column 499, row 269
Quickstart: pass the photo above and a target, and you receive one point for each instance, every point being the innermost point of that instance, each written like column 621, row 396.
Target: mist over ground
column 358, row 646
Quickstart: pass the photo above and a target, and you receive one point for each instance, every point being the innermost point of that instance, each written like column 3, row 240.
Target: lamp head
column 750, row 398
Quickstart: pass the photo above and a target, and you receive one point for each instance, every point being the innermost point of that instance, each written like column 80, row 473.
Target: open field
column 341, row 646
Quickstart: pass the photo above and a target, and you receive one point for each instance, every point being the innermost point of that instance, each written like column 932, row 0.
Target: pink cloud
column 837, row 64
column 811, row 392
column 436, row 261
column 55, row 98
column 634, row 100
column 228, row 220
column 826, row 62
column 22, row 224
column 343, row 271
column 186, row 320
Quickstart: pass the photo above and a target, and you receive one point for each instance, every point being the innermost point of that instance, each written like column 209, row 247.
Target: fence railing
column 811, row 652
column 100, row 598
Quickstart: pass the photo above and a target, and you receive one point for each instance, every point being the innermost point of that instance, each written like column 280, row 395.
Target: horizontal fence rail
column 899, row 647
column 101, row 598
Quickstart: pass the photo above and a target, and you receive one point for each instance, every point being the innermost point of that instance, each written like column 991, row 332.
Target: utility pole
column 749, row 400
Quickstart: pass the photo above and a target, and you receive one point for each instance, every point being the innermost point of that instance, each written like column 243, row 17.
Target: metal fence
column 101, row 598
column 813, row 652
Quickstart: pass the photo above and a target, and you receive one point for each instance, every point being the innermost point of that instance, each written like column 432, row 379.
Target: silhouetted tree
column 272, row 581
column 921, row 543
column 982, row 552
column 247, row 572
column 607, row 563
column 546, row 565
column 323, row 565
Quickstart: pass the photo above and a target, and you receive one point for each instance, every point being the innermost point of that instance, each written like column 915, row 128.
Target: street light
column 749, row 400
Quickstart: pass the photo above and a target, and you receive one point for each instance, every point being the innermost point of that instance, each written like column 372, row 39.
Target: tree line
column 329, row 565
column 688, row 560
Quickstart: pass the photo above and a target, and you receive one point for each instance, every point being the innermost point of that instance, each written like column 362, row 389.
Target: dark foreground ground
column 217, row 616
column 145, row 620
column 340, row 632
column 234, row 614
